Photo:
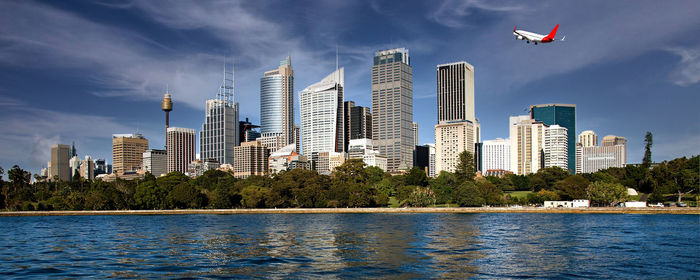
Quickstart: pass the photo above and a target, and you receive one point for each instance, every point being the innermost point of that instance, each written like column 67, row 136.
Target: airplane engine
column 520, row 37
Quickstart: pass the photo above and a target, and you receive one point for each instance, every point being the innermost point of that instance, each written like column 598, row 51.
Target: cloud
column 688, row 70
column 456, row 13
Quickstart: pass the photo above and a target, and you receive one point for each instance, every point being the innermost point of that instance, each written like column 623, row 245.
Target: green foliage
column 421, row 197
column 546, row 177
column 545, row 195
column 416, row 176
column 648, row 141
column 464, row 171
column 442, row 186
column 467, row 195
column 606, row 194
column 572, row 187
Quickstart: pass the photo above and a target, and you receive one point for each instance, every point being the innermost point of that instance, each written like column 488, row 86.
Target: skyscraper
column 219, row 132
column 155, row 162
column 415, row 134
column 527, row 140
column 87, row 169
column 322, row 117
column 588, row 138
column 358, row 122
column 127, row 152
column 457, row 129
column 392, row 107
column 59, row 166
column 563, row 115
column 277, row 102
column 555, row 147
column 181, row 148
column 496, row 154
column 612, row 153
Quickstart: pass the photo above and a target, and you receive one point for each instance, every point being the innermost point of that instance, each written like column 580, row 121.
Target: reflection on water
column 281, row 246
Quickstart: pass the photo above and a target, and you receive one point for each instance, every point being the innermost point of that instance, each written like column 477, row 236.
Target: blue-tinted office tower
column 562, row 115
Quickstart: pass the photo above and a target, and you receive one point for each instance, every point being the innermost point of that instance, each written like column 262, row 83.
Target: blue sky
column 79, row 71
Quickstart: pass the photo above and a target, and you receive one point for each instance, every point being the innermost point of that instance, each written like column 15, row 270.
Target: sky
column 80, row 71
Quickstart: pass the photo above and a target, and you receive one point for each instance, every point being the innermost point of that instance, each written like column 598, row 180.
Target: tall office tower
column 322, row 117
column 457, row 129
column 612, row 153
column 527, row 140
column 250, row 158
column 181, row 148
column 563, row 115
column 513, row 121
column 588, row 138
column 277, row 102
column 451, row 139
column 421, row 157
column 297, row 138
column 415, row 134
column 155, row 162
column 431, row 165
column 74, row 164
column 555, row 146
column 87, row 169
column 392, row 107
column 358, row 122
column 496, row 154
column 219, row 132
column 127, row 152
column 59, row 164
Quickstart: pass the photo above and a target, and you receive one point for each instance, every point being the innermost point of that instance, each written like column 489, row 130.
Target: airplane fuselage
column 535, row 37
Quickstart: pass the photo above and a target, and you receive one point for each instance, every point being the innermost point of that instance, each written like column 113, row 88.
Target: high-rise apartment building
column 181, row 148
column 127, row 152
column 555, row 147
column 457, row 129
column 358, row 122
column 415, row 134
column 250, row 158
column 588, row 138
column 527, row 144
column 220, row 130
column 563, row 115
column 277, row 102
column 59, row 164
column 392, row 107
column 496, row 154
column 87, row 169
column 322, row 117
column 612, row 153
column 155, row 162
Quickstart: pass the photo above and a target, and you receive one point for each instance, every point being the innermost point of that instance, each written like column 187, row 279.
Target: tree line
column 351, row 185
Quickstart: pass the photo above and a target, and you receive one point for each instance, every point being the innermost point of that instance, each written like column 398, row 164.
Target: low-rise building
column 576, row 203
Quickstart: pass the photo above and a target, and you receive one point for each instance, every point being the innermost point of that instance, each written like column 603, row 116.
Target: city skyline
column 88, row 96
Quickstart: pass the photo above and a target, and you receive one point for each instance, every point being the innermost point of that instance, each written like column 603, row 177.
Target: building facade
column 451, row 139
column 358, row 122
column 392, row 107
column 588, row 138
column 59, row 164
column 321, row 110
column 555, row 147
column 326, row 162
column 220, row 129
column 155, row 162
column 364, row 149
column 612, row 153
column 563, row 115
column 181, row 146
column 127, row 152
column 496, row 154
column 277, row 102
column 527, row 140
column 431, row 164
column 87, row 169
column 250, row 158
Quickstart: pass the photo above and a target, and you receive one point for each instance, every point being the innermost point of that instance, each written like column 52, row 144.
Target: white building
column 527, row 144
column 612, row 153
column 363, row 149
column 180, row 148
column 635, row 204
column 496, row 154
column 219, row 132
column 431, row 164
column 321, row 112
column 588, row 138
column 155, row 162
column 451, row 139
column 576, row 203
column 282, row 159
column 74, row 164
column 513, row 122
column 326, row 162
column 555, row 147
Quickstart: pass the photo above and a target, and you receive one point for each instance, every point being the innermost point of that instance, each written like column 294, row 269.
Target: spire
column 226, row 90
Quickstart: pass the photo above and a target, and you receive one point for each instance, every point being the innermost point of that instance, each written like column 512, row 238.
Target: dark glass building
column 421, row 157
column 563, row 115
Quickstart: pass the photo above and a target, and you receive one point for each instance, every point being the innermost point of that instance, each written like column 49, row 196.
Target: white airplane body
column 534, row 37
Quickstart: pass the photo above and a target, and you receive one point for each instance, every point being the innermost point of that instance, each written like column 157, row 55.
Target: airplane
column 534, row 37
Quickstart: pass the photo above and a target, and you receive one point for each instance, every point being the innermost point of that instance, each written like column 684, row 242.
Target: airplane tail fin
column 553, row 33
column 514, row 28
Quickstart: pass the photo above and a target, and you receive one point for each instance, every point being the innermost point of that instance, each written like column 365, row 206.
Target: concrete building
column 272, row 141
column 358, row 122
column 364, row 149
column 555, row 147
column 197, row 167
column 220, row 129
column 588, row 138
column 277, row 102
column 496, row 154
column 155, row 162
column 563, row 115
column 415, row 134
column 286, row 159
column 181, row 146
column 74, row 164
column 513, row 121
column 451, row 139
column 576, row 203
column 127, row 152
column 59, row 164
column 612, row 153
column 322, row 117
column 392, row 107
column 431, row 164
column 250, row 158
column 327, row 161
column 455, row 92
column 527, row 140
column 87, row 169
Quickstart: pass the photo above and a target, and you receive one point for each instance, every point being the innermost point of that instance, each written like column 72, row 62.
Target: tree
column 442, row 186
column 416, row 176
column 646, row 161
column 546, row 177
column 609, row 194
column 421, row 197
column 467, row 195
column 465, row 167
column 489, row 192
column 572, row 187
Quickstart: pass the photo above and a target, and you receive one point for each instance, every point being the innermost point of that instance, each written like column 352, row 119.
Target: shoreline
column 455, row 210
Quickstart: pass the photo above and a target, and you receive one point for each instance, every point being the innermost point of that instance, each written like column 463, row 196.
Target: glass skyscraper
column 277, row 102
column 322, row 117
column 563, row 115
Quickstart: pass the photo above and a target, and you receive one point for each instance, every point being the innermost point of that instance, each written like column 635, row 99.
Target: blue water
column 352, row 246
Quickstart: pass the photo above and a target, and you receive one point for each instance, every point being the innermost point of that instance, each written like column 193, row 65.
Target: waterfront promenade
column 541, row 210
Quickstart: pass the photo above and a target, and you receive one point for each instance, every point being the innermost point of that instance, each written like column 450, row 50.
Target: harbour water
column 362, row 246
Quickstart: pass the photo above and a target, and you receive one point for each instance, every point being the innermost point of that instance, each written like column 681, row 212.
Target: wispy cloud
column 688, row 70
column 456, row 13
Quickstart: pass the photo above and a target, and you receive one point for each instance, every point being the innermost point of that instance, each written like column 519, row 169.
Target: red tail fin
column 553, row 33
column 515, row 28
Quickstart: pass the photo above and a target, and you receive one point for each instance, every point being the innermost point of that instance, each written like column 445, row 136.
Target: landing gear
column 528, row 42
column 535, row 43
